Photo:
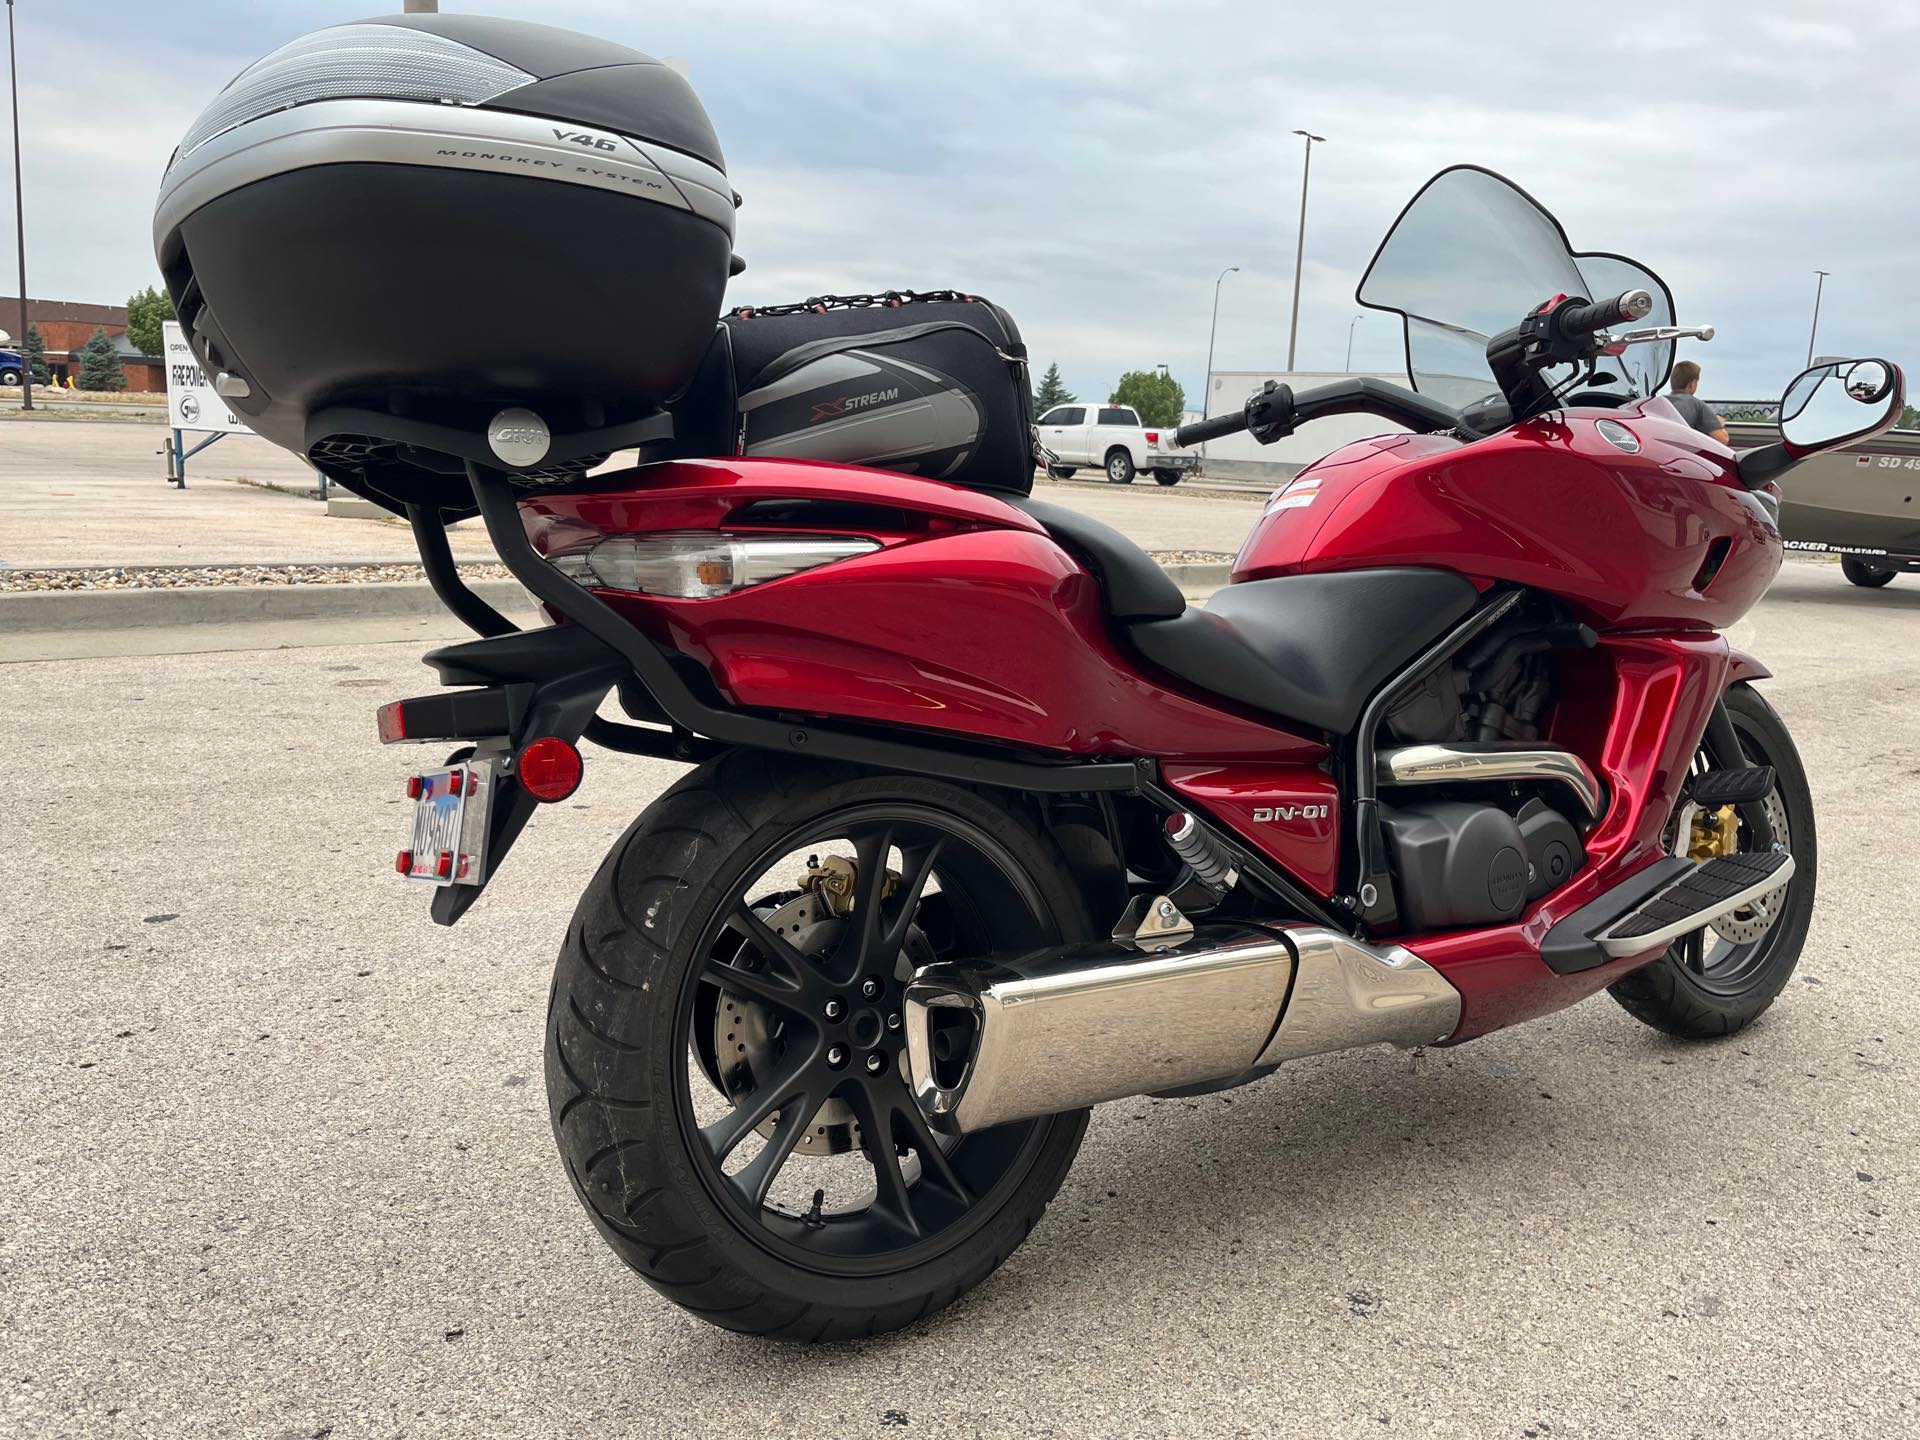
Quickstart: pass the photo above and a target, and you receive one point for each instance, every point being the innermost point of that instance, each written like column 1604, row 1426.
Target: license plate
column 450, row 811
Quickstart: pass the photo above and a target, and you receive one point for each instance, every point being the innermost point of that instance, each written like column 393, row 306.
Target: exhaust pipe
column 1060, row 1029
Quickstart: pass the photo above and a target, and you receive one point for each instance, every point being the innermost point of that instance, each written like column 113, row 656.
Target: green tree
column 100, row 367
column 1909, row 419
column 146, row 312
column 1053, row 391
column 36, row 352
column 1157, row 398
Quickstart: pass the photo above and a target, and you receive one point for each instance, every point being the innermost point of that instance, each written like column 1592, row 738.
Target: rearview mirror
column 1839, row 402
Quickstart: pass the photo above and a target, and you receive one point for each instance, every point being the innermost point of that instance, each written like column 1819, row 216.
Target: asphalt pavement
column 278, row 1163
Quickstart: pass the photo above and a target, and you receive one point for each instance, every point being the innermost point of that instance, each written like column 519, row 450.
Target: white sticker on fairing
column 1295, row 495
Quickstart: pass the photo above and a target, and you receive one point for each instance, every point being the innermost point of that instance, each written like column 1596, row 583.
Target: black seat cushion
column 1134, row 587
column 1309, row 648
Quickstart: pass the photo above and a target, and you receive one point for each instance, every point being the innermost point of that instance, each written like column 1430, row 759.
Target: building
column 66, row 325
column 1241, row 457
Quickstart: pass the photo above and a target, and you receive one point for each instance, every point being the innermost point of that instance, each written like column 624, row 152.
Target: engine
column 1481, row 839
column 1460, row 862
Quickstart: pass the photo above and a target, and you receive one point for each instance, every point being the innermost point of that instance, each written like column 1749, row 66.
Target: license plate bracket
column 452, row 808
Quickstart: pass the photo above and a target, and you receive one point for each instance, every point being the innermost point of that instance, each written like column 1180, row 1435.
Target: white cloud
column 1092, row 167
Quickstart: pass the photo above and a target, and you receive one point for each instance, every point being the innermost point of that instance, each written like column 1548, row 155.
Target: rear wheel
column 9, row 378
column 725, row 1054
column 1166, row 477
column 1060, row 472
column 1720, row 978
column 1119, row 467
column 1862, row 573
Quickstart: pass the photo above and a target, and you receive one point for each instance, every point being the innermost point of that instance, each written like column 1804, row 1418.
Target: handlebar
column 1201, row 431
column 1586, row 319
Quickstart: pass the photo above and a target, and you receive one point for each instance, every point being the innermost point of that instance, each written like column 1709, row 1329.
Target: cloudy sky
column 1094, row 167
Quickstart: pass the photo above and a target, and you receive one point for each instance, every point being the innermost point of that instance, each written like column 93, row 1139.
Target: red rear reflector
column 453, row 783
column 403, row 862
column 393, row 722
column 549, row 769
column 443, row 867
column 414, row 786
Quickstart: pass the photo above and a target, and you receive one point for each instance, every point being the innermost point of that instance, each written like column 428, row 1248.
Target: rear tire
column 1166, row 477
column 9, row 378
column 1119, row 467
column 1060, row 472
column 1871, row 577
column 624, row 1065
column 1695, row 995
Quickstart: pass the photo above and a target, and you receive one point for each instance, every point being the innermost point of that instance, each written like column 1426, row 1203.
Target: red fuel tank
column 1632, row 517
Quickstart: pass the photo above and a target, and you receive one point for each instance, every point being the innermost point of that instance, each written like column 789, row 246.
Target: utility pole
column 19, row 212
column 1300, row 250
column 1818, row 286
column 1350, row 324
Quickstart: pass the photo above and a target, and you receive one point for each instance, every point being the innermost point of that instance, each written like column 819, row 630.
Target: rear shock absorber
column 1205, row 856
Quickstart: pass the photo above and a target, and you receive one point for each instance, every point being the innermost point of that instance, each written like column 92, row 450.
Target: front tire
column 684, row 1026
column 1871, row 577
column 1119, row 467
column 9, row 378
column 1711, row 984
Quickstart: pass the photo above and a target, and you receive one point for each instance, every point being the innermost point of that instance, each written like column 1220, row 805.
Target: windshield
column 1473, row 255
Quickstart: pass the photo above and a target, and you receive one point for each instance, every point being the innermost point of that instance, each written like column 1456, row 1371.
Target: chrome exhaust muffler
column 1060, row 1029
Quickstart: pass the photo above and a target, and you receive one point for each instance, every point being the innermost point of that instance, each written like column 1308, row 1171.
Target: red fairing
column 1666, row 537
column 1289, row 813
column 1635, row 709
column 969, row 620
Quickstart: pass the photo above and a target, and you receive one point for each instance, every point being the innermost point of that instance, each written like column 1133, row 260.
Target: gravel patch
column 169, row 578
column 1191, row 557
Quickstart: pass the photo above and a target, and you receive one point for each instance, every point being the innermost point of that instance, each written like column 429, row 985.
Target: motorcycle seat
column 1132, row 586
column 1305, row 648
column 1308, row 648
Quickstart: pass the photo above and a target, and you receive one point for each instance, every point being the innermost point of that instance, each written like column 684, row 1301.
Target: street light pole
column 1300, row 249
column 1206, row 400
column 1350, row 324
column 1818, row 286
column 19, row 215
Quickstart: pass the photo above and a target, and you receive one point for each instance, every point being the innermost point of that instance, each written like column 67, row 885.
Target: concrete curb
column 1198, row 577
column 42, row 611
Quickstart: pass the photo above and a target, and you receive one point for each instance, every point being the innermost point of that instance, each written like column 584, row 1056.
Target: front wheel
column 725, row 1049
column 1120, row 467
column 9, row 378
column 1861, row 573
column 1720, row 978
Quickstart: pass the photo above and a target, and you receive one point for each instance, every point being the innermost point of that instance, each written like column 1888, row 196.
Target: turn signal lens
column 549, row 769
column 699, row 564
column 403, row 862
column 393, row 722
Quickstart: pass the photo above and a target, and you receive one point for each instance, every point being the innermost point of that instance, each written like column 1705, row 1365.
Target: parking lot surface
column 92, row 493
column 278, row 1161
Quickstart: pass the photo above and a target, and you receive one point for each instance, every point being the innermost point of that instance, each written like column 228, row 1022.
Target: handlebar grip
column 1203, row 430
column 1585, row 319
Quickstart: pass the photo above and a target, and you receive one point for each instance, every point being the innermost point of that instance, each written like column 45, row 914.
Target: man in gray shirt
column 1681, row 386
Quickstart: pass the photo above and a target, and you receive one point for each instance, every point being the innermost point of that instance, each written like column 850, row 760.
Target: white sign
column 192, row 402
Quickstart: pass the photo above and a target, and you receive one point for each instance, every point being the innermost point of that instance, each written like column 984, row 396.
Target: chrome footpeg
column 1699, row 897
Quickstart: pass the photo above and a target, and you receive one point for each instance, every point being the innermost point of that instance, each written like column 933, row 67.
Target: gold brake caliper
column 1715, row 833
column 836, row 881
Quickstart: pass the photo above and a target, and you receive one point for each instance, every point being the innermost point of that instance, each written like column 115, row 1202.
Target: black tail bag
column 932, row 384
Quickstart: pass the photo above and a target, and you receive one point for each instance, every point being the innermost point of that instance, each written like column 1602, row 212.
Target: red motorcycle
column 985, row 824
column 988, row 825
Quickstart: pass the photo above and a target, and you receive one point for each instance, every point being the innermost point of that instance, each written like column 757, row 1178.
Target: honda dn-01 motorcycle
column 985, row 824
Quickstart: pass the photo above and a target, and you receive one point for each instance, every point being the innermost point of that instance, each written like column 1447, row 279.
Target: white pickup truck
column 1111, row 438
